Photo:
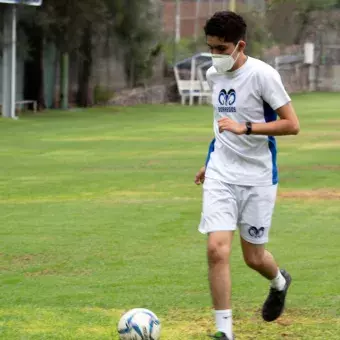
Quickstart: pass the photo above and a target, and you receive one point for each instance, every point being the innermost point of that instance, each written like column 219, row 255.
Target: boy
column 240, row 177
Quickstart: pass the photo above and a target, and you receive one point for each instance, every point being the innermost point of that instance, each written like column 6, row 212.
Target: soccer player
column 240, row 176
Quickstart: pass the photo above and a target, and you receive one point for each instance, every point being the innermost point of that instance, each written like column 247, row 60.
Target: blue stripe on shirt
column 270, row 116
column 211, row 149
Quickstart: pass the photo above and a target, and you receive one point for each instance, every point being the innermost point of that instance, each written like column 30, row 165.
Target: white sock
column 224, row 322
column 279, row 282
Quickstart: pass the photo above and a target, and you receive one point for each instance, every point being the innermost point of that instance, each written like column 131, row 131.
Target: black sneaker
column 221, row 336
column 275, row 303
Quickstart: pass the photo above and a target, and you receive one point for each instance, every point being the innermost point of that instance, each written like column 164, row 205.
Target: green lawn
column 99, row 214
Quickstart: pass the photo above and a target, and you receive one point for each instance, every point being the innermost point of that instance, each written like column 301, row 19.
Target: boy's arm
column 288, row 124
column 199, row 178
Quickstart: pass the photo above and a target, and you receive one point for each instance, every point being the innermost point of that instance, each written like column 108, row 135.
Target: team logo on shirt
column 227, row 100
column 256, row 232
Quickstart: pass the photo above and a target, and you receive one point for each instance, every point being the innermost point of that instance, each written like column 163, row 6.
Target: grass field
column 99, row 214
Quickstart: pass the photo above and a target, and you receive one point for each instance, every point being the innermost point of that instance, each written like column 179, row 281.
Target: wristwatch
column 249, row 127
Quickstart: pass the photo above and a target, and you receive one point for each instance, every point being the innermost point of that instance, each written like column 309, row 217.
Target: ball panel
column 139, row 324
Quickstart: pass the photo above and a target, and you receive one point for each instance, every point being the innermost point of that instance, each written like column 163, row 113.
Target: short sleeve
column 272, row 88
column 209, row 75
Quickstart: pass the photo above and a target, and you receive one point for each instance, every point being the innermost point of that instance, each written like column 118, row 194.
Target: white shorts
column 228, row 206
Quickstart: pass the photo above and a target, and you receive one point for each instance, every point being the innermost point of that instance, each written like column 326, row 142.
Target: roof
column 200, row 58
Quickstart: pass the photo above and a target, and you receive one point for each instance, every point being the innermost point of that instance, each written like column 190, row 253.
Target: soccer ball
column 139, row 324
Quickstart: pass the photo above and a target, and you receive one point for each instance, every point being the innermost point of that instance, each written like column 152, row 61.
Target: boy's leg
column 255, row 223
column 219, row 220
column 259, row 259
column 218, row 252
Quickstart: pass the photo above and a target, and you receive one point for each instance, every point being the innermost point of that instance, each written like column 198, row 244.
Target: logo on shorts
column 256, row 232
column 227, row 101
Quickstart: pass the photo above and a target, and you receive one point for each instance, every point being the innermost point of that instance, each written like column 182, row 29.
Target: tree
column 77, row 27
column 137, row 29
column 71, row 25
column 289, row 19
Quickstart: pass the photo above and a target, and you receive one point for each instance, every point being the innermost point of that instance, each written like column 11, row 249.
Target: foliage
column 184, row 49
column 258, row 36
column 133, row 27
column 289, row 19
column 136, row 28
column 101, row 95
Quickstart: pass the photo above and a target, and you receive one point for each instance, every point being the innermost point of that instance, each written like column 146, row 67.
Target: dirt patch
column 54, row 272
column 23, row 259
column 318, row 146
column 100, row 139
column 153, row 162
column 319, row 194
column 328, row 121
column 45, row 272
column 318, row 133
column 284, row 322
column 146, row 200
column 310, row 168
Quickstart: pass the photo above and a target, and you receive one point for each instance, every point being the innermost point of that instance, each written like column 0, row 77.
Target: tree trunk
column 64, row 80
column 41, row 94
column 34, row 67
column 85, row 68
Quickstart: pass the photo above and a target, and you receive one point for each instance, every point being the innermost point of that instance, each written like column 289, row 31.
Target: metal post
column 210, row 8
column 9, row 62
column 178, row 22
column 192, row 81
column 177, row 35
column 232, row 5
column 197, row 19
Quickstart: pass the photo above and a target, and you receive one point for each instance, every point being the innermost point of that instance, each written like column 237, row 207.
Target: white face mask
column 224, row 63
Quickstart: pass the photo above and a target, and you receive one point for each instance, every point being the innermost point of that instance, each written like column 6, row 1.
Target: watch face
column 248, row 125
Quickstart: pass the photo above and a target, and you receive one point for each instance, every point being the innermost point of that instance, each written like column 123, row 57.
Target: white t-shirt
column 251, row 93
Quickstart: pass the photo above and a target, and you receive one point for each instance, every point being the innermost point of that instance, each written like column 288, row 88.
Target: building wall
column 207, row 8
column 324, row 74
column 19, row 80
column 188, row 15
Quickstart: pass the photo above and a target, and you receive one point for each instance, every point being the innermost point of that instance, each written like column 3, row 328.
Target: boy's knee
column 218, row 251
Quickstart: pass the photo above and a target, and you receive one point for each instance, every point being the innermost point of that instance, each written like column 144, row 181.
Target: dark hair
column 226, row 25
